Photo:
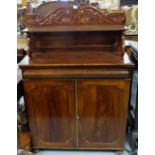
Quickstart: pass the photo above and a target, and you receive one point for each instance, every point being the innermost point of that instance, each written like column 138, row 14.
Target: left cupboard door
column 51, row 113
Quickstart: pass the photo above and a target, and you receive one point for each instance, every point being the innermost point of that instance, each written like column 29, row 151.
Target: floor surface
column 79, row 153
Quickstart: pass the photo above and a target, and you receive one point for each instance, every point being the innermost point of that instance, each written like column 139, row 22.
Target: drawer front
column 77, row 73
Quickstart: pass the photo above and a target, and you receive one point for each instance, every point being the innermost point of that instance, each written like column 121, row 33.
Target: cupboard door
column 102, row 112
column 51, row 111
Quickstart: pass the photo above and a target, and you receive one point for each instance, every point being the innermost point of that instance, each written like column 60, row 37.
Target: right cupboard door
column 102, row 113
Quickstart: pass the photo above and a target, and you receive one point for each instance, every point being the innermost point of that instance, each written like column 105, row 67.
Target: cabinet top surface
column 75, row 59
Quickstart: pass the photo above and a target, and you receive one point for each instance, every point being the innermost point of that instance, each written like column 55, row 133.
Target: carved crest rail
column 68, row 15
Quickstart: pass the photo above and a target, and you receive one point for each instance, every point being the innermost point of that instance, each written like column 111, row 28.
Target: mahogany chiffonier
column 76, row 77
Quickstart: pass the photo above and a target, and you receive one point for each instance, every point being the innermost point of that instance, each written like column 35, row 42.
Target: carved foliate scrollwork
column 60, row 16
column 88, row 15
column 81, row 16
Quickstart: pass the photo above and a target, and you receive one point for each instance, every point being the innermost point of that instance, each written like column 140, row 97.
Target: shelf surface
column 75, row 28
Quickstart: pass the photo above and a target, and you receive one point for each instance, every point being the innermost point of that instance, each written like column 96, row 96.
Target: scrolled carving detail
column 60, row 16
column 82, row 16
column 90, row 15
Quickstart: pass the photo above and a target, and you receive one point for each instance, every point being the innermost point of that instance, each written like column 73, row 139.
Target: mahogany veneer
column 76, row 77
